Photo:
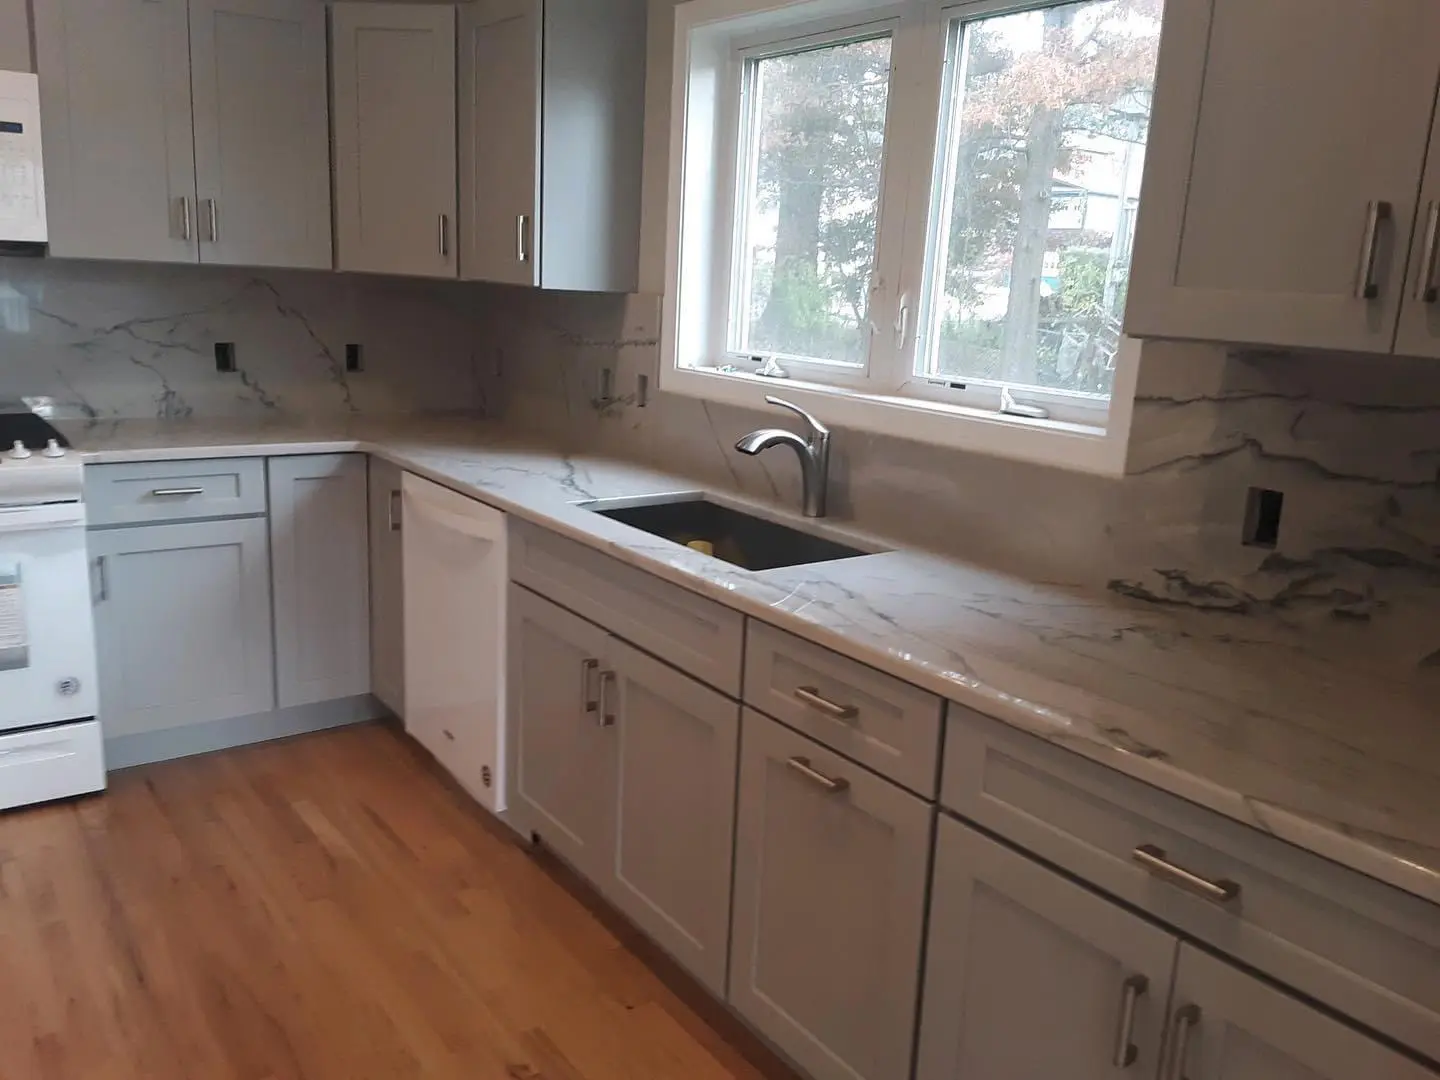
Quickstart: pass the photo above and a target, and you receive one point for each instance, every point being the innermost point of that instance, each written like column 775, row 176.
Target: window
column 923, row 211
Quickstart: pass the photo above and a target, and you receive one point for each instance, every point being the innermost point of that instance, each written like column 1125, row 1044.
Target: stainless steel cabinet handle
column 444, row 236
column 186, row 227
column 522, row 238
column 607, row 706
column 1378, row 210
column 1153, row 859
column 1426, row 291
column 102, row 581
column 587, row 669
column 176, row 493
column 212, row 219
column 1131, row 990
column 810, row 695
column 394, row 512
column 1186, row 1017
column 832, row 784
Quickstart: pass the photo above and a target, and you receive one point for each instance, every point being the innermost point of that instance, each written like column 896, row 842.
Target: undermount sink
column 741, row 539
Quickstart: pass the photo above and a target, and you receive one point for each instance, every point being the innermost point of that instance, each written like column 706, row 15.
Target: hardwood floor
column 322, row 907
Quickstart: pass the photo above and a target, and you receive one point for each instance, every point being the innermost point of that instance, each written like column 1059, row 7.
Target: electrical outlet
column 225, row 357
column 1263, row 508
column 354, row 357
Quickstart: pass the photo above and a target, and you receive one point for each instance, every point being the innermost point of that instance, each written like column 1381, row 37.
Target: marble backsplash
column 1352, row 442
column 137, row 340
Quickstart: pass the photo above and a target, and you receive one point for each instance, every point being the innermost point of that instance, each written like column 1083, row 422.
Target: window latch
column 771, row 369
column 1010, row 407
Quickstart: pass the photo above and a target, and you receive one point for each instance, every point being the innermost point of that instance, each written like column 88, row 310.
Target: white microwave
column 22, row 171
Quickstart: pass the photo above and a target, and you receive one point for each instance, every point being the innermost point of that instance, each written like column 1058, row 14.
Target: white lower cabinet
column 182, row 624
column 1030, row 975
column 320, row 554
column 387, row 587
column 830, row 872
column 626, row 769
column 1228, row 1025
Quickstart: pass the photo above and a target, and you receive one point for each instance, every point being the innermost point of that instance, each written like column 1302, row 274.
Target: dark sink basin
column 737, row 537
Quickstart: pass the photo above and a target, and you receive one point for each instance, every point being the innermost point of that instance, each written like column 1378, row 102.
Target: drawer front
column 865, row 714
column 1365, row 949
column 51, row 763
column 700, row 637
column 153, row 491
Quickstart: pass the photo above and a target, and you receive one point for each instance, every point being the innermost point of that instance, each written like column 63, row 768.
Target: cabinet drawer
column 700, row 637
column 1359, row 946
column 865, row 714
column 151, row 491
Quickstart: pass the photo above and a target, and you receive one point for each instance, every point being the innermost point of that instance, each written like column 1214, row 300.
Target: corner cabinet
column 320, row 555
column 551, row 116
column 392, row 69
column 186, row 133
column 626, row 769
column 1279, row 201
column 831, row 864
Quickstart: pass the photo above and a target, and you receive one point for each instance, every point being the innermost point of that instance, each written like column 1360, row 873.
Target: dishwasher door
column 455, row 586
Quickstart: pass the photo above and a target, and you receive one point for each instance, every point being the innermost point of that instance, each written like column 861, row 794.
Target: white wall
column 15, row 36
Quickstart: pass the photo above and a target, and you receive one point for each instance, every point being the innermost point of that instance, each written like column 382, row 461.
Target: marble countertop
column 1312, row 741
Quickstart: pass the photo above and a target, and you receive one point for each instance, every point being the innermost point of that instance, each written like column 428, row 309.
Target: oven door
column 47, row 636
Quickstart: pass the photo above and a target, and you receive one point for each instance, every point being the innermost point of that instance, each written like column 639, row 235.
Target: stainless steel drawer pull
column 588, row 668
column 1426, row 291
column 810, row 695
column 444, row 236
column 1131, row 990
column 185, row 226
column 1153, row 859
column 1367, row 288
column 212, row 218
column 1186, row 1018
column 522, row 238
column 176, row 493
column 103, row 593
column 832, row 784
column 607, row 706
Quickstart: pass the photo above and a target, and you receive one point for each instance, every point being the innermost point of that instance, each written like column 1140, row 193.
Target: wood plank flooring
column 321, row 907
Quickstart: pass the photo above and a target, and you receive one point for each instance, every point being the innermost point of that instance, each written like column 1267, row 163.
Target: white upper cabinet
column 119, row 150
column 1286, row 145
column 262, row 157
column 1419, row 333
column 552, row 103
column 393, row 93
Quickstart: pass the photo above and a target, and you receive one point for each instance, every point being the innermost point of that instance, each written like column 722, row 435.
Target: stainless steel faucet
column 814, row 452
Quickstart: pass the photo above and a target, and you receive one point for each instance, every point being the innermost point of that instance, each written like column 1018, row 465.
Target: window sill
column 1074, row 447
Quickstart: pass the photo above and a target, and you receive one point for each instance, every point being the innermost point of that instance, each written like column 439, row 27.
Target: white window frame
column 714, row 39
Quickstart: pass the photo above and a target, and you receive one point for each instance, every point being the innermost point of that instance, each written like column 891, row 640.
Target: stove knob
column 53, row 449
column 18, row 451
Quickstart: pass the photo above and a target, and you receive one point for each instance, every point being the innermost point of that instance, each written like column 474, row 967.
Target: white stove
column 50, row 741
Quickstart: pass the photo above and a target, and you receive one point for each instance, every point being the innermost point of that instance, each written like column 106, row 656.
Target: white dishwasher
column 455, row 585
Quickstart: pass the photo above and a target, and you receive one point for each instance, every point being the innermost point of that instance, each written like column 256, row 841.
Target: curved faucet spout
column 813, row 451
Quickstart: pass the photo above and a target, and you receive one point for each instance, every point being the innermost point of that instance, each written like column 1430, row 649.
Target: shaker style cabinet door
column 320, row 549
column 1286, row 144
column 182, row 624
column 392, row 70
column 830, row 872
column 119, row 147
column 262, row 134
column 1227, row 1025
column 674, row 808
column 562, row 759
column 500, row 65
column 1029, row 974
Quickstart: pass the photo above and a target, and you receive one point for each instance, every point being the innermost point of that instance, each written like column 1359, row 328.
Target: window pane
column 1042, row 155
column 810, row 200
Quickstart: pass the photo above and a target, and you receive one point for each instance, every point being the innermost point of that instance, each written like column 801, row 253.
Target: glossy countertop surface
column 1310, row 740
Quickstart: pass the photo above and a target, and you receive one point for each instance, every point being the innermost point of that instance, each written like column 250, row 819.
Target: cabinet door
column 393, row 72
column 182, row 624
column 262, row 137
column 1227, row 1025
column 1275, row 127
column 319, row 544
column 1419, row 333
column 674, row 808
column 500, row 42
column 387, row 587
column 562, row 774
column 1029, row 974
column 830, row 868
column 119, row 149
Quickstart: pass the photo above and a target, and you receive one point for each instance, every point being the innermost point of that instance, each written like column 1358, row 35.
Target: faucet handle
column 816, row 427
